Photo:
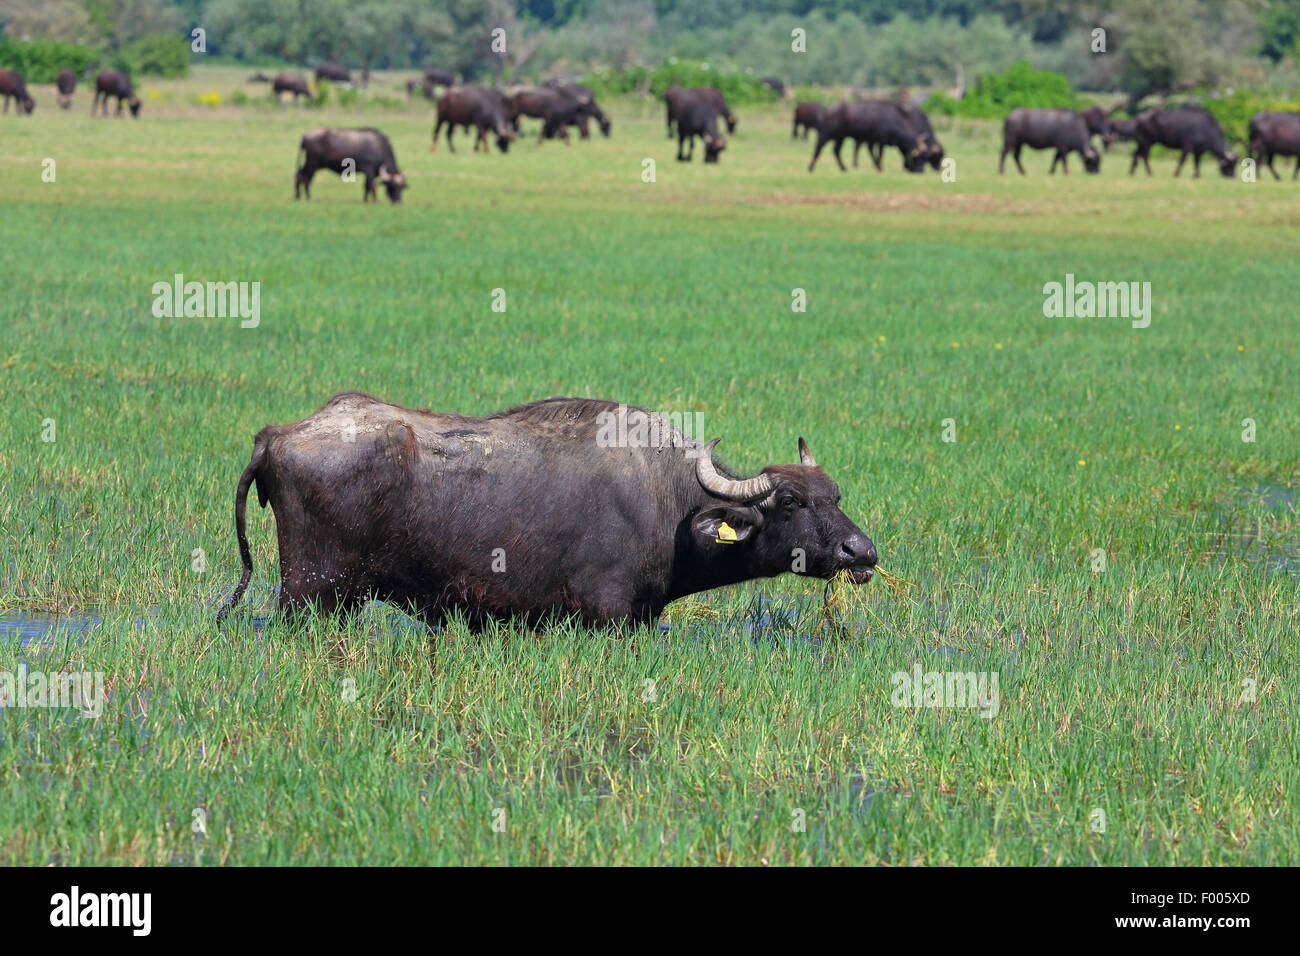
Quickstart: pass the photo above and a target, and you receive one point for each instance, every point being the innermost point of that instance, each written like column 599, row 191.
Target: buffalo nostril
column 857, row 549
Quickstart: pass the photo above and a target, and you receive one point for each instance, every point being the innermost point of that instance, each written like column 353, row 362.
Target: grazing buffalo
column 334, row 72
column 294, row 83
column 808, row 116
column 562, row 509
column 484, row 108
column 1189, row 129
column 365, row 151
column 1062, row 130
column 776, row 85
column 698, row 116
column 677, row 98
column 586, row 103
column 13, row 88
column 879, row 124
column 114, row 83
column 931, row 149
column 66, row 83
column 440, row 77
column 1275, row 134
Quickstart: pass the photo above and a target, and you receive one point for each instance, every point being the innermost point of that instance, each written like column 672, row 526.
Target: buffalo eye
column 788, row 501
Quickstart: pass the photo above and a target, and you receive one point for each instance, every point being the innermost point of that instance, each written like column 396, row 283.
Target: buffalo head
column 1091, row 159
column 134, row 104
column 394, row 182
column 713, row 146
column 788, row 518
column 1228, row 163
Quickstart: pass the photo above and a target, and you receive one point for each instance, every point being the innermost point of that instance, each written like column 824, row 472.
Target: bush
column 740, row 87
column 994, row 95
column 39, row 61
column 158, row 54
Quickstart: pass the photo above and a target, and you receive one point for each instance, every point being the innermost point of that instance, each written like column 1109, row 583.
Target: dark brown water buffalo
column 13, row 88
column 807, row 116
column 878, row 123
column 1188, row 129
column 481, row 107
column 586, row 106
column 294, row 83
column 931, row 148
column 114, row 83
column 366, row 152
column 537, row 102
column 568, row 508
column 677, row 97
column 698, row 116
column 440, row 77
column 1062, row 130
column 66, row 83
column 1275, row 134
column 334, row 72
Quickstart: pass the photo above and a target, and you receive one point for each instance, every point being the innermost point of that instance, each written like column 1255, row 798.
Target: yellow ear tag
column 726, row 534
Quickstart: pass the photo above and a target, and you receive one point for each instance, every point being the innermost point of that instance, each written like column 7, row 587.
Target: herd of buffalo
column 492, row 114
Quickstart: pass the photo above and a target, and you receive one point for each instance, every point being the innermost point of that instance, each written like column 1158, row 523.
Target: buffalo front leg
column 1181, row 159
column 1016, row 157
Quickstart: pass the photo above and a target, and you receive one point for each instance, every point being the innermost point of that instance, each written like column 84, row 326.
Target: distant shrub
column 39, row 61
column 158, row 54
column 212, row 99
column 740, row 87
column 996, row 94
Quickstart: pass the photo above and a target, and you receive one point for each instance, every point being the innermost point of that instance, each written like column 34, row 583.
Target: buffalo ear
column 725, row 526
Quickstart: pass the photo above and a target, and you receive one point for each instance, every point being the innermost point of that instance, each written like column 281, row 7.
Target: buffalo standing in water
column 565, row 508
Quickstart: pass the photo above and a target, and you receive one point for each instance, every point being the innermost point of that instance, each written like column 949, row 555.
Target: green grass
column 1121, row 691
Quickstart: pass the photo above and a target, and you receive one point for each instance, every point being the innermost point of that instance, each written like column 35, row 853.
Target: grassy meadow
column 1148, row 708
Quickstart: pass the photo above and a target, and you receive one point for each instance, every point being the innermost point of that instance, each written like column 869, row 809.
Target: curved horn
column 719, row 484
column 805, row 456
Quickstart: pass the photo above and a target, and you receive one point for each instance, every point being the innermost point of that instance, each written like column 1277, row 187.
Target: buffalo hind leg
column 303, row 180
column 1181, row 159
column 1297, row 167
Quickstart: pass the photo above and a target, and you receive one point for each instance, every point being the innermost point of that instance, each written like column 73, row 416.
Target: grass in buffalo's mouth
column 1094, row 535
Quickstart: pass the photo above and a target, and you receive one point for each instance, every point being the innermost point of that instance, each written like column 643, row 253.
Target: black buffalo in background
column 1060, row 129
column 294, row 83
column 66, row 83
column 358, row 151
column 879, row 124
column 114, row 83
column 807, row 116
column 695, row 113
column 13, row 88
column 678, row 97
column 1275, row 134
column 334, row 72
column 481, row 107
column 1190, row 129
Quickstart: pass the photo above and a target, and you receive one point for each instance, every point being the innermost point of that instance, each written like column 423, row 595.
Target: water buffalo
column 1187, row 128
column 13, row 88
column 437, row 77
column 484, row 108
column 586, row 106
column 539, row 102
column 1122, row 130
column 66, row 83
column 334, row 72
column 878, row 123
column 776, row 85
column 1062, row 130
column 807, row 116
column 1098, row 122
column 698, row 116
column 114, row 83
column 931, row 148
column 294, row 83
column 1275, row 134
column 567, row 508
column 365, row 151
column 677, row 97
